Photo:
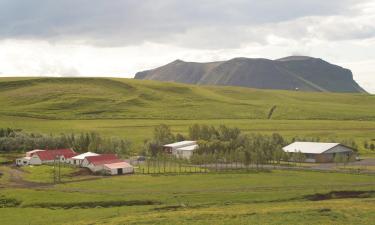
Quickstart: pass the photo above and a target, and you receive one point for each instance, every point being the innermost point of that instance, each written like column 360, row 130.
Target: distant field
column 277, row 197
column 98, row 98
column 131, row 108
column 137, row 130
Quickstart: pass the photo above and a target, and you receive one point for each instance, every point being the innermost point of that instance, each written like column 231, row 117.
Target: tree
column 366, row 145
column 163, row 134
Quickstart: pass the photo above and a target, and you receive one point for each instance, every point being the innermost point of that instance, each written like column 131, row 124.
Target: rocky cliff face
column 290, row 73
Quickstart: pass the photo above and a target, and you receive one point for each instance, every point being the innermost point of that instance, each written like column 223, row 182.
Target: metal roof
column 309, row 147
column 180, row 144
column 84, row 155
column 117, row 165
column 188, row 148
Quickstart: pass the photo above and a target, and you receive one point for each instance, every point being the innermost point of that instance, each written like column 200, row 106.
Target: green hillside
column 99, row 98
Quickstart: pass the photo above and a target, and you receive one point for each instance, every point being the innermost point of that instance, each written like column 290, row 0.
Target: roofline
column 341, row 145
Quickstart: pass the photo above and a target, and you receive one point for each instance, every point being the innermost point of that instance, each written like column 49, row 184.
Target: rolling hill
column 106, row 98
column 290, row 73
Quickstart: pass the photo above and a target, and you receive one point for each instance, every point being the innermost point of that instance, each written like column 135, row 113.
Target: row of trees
column 369, row 145
column 227, row 145
column 18, row 140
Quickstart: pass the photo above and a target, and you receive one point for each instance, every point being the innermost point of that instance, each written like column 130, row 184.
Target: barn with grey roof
column 319, row 152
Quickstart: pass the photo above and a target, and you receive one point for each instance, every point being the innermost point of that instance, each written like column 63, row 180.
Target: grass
column 131, row 108
column 275, row 197
column 44, row 173
column 99, row 98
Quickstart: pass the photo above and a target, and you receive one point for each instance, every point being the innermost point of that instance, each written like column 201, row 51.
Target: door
column 119, row 171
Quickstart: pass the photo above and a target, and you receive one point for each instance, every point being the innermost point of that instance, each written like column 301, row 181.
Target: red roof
column 103, row 159
column 52, row 154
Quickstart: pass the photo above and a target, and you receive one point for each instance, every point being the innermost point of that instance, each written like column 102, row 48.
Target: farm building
column 118, row 168
column 183, row 149
column 319, row 152
column 185, row 152
column 30, row 153
column 24, row 161
column 38, row 157
column 96, row 163
column 78, row 159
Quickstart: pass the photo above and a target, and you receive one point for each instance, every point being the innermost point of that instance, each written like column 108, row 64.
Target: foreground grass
column 348, row 211
column 276, row 197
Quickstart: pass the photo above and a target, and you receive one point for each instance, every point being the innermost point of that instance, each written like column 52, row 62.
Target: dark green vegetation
column 290, row 73
column 16, row 140
column 277, row 197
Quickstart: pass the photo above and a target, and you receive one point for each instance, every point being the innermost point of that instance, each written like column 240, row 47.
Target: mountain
column 289, row 73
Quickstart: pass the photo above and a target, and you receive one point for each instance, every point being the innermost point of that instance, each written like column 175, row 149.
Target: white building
column 185, row 152
column 318, row 151
column 118, row 168
column 78, row 159
column 182, row 149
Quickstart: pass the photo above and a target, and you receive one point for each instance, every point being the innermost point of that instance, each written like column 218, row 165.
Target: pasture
column 274, row 197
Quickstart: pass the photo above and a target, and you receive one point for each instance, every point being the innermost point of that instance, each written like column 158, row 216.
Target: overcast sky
column 120, row 38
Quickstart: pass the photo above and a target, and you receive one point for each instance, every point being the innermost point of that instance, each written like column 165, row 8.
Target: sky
column 118, row 38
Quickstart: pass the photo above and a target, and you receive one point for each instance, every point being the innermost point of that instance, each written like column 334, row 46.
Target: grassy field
column 277, row 197
column 131, row 108
column 98, row 98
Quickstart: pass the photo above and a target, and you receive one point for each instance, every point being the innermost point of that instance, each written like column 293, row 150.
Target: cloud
column 210, row 23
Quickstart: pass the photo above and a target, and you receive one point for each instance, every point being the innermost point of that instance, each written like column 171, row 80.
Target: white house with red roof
column 49, row 156
column 38, row 156
column 108, row 164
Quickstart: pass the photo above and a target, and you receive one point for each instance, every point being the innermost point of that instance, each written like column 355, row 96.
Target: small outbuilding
column 182, row 149
column 78, row 159
column 319, row 152
column 185, row 152
column 118, row 168
column 96, row 163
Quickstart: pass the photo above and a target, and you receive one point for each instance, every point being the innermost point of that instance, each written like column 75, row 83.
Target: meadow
column 131, row 109
column 273, row 197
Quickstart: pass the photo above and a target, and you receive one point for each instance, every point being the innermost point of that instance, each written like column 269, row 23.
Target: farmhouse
column 78, row 159
column 182, row 149
column 108, row 164
column 319, row 152
column 38, row 156
column 49, row 156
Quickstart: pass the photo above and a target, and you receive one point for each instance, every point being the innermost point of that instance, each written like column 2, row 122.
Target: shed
column 78, row 159
column 118, row 168
column 170, row 148
column 96, row 163
column 318, row 151
column 185, row 152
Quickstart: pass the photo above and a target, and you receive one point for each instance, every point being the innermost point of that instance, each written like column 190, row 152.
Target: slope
column 104, row 98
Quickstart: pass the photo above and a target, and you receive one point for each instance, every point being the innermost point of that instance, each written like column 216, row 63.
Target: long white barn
column 318, row 151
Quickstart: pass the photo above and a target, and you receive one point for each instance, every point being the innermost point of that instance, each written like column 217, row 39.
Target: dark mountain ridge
column 289, row 73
